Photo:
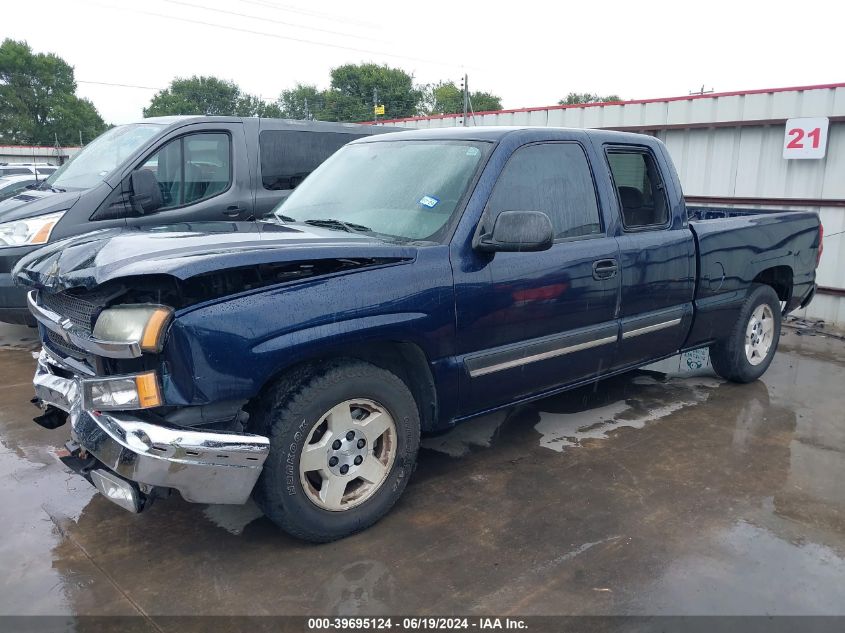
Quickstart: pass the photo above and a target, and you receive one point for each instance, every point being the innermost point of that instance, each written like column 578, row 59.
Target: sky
column 530, row 53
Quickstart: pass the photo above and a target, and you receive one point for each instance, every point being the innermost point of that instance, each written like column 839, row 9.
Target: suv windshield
column 97, row 159
column 404, row 189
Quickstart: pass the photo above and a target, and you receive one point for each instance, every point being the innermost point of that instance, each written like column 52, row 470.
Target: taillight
column 821, row 244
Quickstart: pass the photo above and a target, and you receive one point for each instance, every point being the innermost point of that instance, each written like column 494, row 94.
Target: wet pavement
column 645, row 495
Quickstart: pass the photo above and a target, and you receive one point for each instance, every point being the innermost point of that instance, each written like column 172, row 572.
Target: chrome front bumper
column 204, row 466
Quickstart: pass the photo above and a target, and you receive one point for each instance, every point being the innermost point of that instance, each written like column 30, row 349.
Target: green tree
column 250, row 105
column 574, row 98
column 447, row 98
column 350, row 97
column 301, row 102
column 38, row 103
column 209, row 96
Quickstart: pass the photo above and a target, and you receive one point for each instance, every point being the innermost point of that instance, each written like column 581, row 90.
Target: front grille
column 58, row 344
column 81, row 312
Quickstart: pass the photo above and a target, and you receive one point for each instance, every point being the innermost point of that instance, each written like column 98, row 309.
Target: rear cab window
column 639, row 188
column 288, row 156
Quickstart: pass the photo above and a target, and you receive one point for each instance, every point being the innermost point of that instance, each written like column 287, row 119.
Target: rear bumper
column 805, row 301
column 204, row 466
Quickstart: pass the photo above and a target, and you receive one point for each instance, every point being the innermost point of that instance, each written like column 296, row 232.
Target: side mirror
column 518, row 231
column 146, row 195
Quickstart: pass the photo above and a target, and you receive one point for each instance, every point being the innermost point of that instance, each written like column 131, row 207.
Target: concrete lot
column 646, row 495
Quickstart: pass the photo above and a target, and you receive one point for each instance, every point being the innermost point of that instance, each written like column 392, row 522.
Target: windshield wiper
column 43, row 186
column 330, row 223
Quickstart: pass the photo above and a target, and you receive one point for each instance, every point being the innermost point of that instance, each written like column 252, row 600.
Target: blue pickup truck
column 412, row 282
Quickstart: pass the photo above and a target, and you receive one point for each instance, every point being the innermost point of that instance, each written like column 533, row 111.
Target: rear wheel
column 343, row 443
column 746, row 353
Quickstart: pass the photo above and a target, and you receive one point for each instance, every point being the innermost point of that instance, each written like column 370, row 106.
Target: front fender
column 230, row 349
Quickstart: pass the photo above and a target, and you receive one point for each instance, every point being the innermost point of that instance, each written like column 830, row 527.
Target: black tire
column 728, row 355
column 289, row 413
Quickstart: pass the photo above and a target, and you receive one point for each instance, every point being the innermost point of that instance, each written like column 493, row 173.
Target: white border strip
column 482, row 371
column 651, row 328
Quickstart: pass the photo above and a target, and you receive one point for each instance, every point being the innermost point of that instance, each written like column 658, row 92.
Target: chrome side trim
column 482, row 371
column 651, row 328
column 71, row 334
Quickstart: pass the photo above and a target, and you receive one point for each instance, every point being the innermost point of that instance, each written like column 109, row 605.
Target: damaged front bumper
column 204, row 466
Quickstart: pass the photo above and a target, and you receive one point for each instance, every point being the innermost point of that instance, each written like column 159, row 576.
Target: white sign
column 805, row 138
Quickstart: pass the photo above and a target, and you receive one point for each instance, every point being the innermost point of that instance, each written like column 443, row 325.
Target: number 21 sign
column 805, row 138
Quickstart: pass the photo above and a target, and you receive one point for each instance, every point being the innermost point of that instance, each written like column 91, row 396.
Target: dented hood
column 187, row 250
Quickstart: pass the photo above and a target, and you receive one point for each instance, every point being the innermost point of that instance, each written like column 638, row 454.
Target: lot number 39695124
column 805, row 138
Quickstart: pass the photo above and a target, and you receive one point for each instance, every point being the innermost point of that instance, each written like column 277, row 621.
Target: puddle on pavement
column 43, row 498
column 18, row 337
column 359, row 588
column 741, row 571
column 459, row 441
column 731, row 503
column 231, row 518
column 651, row 397
column 657, row 400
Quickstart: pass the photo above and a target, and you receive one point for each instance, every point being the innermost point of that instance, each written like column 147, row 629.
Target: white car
column 22, row 169
column 11, row 185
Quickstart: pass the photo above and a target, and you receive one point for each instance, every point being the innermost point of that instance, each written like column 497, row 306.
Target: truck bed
column 738, row 247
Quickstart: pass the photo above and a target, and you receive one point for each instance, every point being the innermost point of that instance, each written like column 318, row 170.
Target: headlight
column 28, row 231
column 140, row 324
column 121, row 392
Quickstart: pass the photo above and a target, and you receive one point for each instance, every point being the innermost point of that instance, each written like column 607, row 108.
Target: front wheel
column 746, row 353
column 343, row 443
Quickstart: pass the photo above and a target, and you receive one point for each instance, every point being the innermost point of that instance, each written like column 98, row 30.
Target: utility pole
column 466, row 97
column 80, row 138
column 375, row 104
column 701, row 91
column 57, row 148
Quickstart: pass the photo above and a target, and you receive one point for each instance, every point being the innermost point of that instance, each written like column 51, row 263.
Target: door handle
column 233, row 211
column 605, row 269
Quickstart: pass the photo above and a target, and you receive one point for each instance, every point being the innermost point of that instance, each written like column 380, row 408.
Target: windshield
column 97, row 159
column 402, row 189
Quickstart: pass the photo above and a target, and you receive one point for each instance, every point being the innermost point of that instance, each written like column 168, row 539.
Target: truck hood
column 34, row 202
column 187, row 250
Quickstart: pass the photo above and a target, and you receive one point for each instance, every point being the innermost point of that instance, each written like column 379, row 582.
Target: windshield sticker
column 429, row 201
column 473, row 151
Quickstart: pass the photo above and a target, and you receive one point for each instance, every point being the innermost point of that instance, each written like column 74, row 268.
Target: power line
column 316, row 14
column 113, row 85
column 27, row 77
column 272, row 35
column 265, row 19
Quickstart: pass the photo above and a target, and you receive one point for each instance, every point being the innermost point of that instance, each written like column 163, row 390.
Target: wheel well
column 405, row 360
column 779, row 278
